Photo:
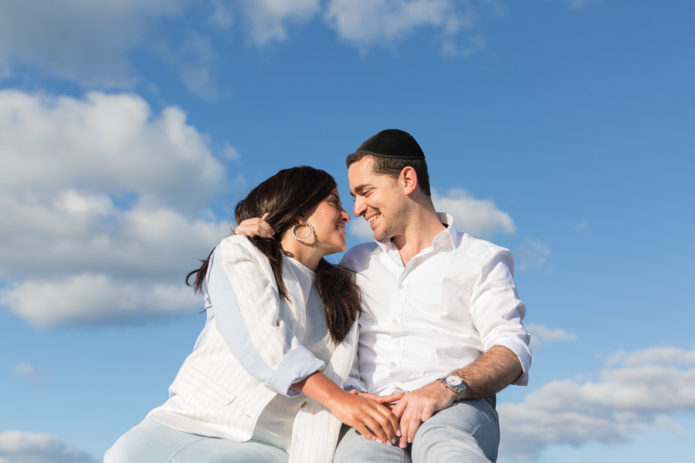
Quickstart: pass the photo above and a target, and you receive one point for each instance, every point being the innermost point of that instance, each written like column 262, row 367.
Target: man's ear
column 408, row 179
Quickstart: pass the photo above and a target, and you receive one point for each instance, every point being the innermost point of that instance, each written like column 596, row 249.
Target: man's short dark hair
column 393, row 150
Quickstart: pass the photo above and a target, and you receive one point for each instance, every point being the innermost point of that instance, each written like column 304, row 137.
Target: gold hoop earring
column 302, row 238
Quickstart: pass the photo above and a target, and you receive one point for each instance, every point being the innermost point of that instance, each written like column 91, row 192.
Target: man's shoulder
column 483, row 252
column 479, row 249
column 472, row 244
column 357, row 257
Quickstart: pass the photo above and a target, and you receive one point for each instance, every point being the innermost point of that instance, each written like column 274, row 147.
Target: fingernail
column 398, row 432
column 379, row 441
column 393, row 441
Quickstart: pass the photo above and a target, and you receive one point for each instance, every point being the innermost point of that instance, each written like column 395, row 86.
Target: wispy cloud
column 367, row 23
column 541, row 335
column 532, row 254
column 29, row 373
column 91, row 43
column 636, row 390
column 31, row 447
column 268, row 19
column 106, row 207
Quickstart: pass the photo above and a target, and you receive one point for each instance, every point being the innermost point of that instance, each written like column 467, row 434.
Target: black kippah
column 392, row 143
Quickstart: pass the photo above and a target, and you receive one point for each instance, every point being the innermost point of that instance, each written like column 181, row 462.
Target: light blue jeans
column 155, row 442
column 466, row 432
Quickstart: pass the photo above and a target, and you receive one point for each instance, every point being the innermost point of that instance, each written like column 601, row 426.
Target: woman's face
column 329, row 218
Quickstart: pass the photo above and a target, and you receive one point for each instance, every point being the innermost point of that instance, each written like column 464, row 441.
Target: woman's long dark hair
column 286, row 196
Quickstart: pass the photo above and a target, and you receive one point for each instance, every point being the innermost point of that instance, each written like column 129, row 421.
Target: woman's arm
column 246, row 308
column 372, row 419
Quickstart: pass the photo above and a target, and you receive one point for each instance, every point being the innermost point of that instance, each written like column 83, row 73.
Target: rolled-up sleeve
column 497, row 311
column 247, row 309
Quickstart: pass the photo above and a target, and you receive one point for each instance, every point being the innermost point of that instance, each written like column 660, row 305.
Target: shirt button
column 393, row 364
column 394, row 321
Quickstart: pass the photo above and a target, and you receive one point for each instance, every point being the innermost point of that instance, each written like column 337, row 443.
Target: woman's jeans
column 155, row 442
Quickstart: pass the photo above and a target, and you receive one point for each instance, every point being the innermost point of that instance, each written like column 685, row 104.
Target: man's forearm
column 493, row 371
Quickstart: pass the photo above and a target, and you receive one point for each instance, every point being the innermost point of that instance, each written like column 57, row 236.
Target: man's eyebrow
column 358, row 190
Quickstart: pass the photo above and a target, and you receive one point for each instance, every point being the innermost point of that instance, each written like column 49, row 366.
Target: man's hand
column 418, row 406
column 255, row 227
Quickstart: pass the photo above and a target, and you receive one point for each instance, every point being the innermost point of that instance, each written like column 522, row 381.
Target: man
column 441, row 317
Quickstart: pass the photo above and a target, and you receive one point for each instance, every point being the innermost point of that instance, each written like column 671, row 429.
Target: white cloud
column 96, row 298
column 91, row 43
column 531, row 255
column 268, row 19
column 478, row 217
column 105, row 207
column 383, row 22
column 542, row 334
column 671, row 356
column 367, row 21
column 624, row 401
column 81, row 40
column 30, row 447
column 106, row 144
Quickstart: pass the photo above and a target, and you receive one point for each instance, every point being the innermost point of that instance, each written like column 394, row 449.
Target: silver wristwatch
column 456, row 384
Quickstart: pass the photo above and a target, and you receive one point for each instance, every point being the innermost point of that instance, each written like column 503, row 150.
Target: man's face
column 378, row 199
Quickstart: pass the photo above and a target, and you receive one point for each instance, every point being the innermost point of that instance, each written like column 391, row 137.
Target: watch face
column 453, row 380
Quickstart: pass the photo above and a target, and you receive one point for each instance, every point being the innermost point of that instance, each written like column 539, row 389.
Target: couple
column 281, row 364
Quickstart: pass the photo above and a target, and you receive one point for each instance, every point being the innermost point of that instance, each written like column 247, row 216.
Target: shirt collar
column 447, row 239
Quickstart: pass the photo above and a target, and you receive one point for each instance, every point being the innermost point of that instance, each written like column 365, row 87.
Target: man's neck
column 420, row 231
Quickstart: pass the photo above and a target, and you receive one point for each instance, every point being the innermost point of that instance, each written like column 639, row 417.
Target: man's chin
column 379, row 236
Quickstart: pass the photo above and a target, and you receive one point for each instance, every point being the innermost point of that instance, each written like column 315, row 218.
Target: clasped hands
column 412, row 409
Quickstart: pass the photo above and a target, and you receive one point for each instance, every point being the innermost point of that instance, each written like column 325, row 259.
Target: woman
column 264, row 380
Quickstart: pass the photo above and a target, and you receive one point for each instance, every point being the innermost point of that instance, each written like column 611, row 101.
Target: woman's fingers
column 255, row 227
column 376, row 428
column 386, row 422
column 391, row 421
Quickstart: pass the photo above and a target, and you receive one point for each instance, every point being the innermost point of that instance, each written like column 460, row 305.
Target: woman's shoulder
column 238, row 247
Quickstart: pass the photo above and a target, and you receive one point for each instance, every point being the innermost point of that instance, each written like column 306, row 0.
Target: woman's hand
column 255, row 227
column 372, row 419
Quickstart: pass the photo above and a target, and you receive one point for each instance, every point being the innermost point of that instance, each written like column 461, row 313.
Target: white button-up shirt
column 440, row 312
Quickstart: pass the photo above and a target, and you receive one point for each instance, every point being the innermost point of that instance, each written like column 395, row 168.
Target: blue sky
column 561, row 129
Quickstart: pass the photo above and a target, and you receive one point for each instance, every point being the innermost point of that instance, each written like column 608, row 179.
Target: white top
column 440, row 312
column 299, row 363
column 236, row 384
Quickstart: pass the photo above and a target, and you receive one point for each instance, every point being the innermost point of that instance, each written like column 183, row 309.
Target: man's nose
column 359, row 208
